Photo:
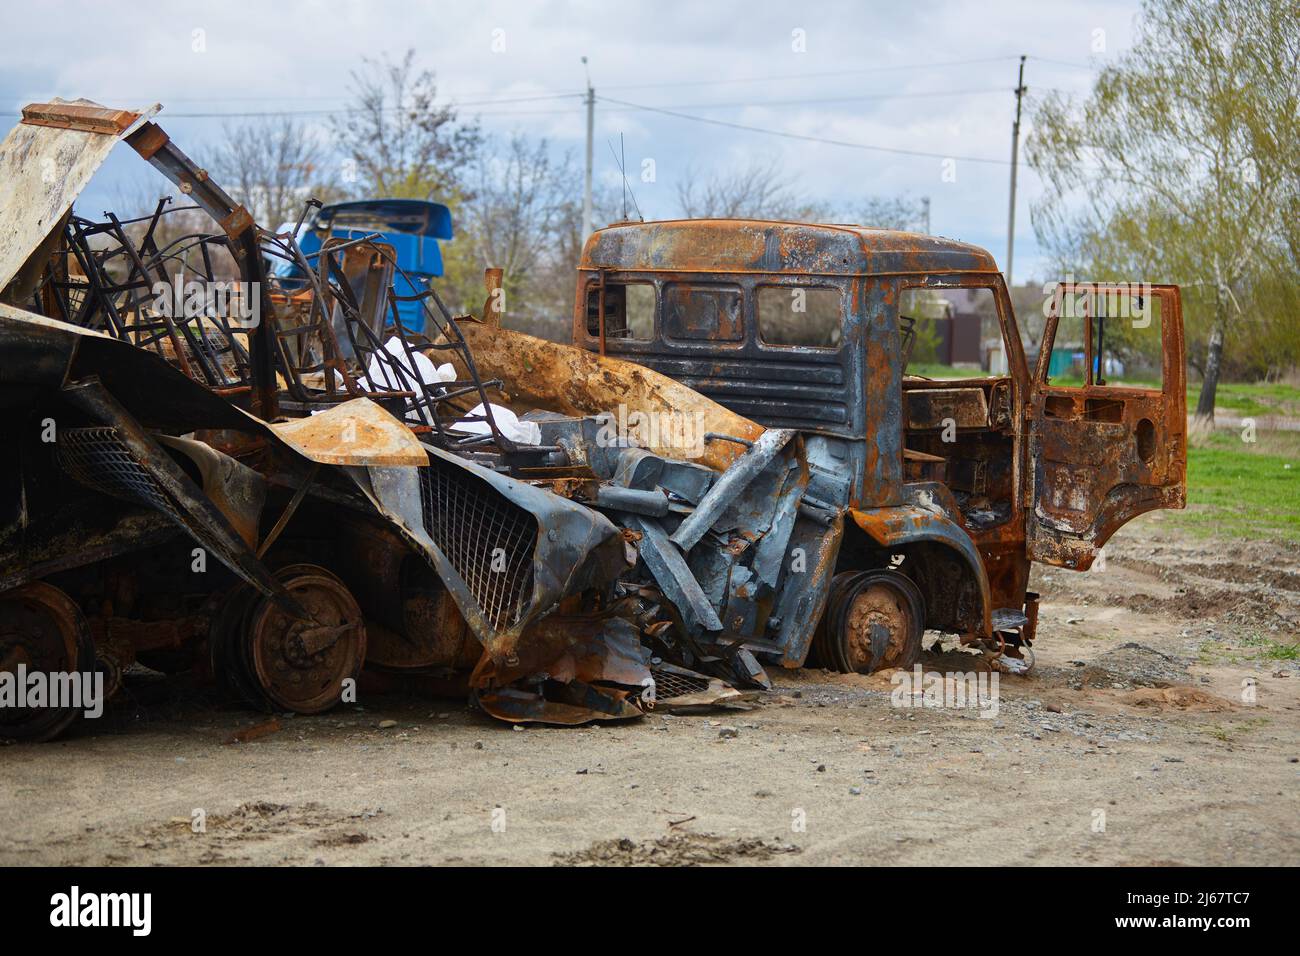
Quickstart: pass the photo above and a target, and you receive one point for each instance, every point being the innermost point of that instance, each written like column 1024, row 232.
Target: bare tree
column 399, row 142
column 759, row 190
column 524, row 217
column 891, row 212
column 271, row 167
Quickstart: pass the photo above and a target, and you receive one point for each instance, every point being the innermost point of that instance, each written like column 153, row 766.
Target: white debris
column 523, row 433
column 424, row 370
column 416, row 367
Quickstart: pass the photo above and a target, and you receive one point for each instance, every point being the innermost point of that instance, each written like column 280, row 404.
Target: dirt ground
column 1130, row 743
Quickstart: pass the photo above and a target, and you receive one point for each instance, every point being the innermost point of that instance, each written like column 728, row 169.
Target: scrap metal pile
column 279, row 482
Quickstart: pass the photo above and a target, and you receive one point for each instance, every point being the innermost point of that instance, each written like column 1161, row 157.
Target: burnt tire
column 873, row 620
column 225, row 646
column 43, row 629
column 289, row 675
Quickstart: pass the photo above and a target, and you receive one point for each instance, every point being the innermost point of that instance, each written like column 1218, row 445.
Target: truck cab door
column 1107, row 417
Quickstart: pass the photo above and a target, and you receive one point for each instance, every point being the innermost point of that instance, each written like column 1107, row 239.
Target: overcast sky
column 933, row 78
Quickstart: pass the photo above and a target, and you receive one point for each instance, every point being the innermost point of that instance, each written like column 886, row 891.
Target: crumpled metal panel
column 573, row 669
column 357, row 432
column 42, row 170
column 459, row 513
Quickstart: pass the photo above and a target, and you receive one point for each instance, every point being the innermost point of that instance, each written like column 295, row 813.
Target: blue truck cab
column 411, row 226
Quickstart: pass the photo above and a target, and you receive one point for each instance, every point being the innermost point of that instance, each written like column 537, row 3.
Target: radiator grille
column 488, row 540
column 100, row 460
column 669, row 685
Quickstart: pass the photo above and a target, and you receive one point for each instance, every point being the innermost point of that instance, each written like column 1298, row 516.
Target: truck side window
column 809, row 316
column 703, row 312
column 629, row 310
column 950, row 333
column 1127, row 348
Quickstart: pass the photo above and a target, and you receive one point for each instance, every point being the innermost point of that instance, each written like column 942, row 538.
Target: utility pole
column 591, row 124
column 925, row 211
column 1015, row 154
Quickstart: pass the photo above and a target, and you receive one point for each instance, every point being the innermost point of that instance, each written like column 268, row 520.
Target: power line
column 809, row 101
column 1072, row 65
column 883, row 68
column 804, row 137
column 254, row 114
column 804, row 101
column 495, row 100
column 802, row 76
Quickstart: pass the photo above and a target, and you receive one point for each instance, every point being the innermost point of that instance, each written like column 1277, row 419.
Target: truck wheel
column 225, row 645
column 874, row 620
column 301, row 666
column 44, row 630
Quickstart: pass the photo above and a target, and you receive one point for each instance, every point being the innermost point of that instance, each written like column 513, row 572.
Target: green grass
column 1254, row 648
column 1075, row 380
column 1246, row 399
column 1245, row 489
column 1271, row 650
column 937, row 371
column 1240, row 398
column 1227, row 734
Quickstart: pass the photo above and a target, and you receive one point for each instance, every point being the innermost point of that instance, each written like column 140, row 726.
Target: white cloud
column 297, row 54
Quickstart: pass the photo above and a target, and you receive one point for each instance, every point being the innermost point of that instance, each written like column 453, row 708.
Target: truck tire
column 873, row 620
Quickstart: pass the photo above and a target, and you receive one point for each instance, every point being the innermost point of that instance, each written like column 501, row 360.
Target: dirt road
column 1130, row 743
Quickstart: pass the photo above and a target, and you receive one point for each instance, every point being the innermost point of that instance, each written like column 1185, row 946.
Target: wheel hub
column 877, row 628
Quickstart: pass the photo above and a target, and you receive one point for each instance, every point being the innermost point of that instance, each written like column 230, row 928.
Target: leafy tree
column 1183, row 159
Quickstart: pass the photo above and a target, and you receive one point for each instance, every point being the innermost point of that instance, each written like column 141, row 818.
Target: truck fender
column 896, row 526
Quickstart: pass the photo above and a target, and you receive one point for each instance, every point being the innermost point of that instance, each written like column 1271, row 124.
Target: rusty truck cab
column 960, row 482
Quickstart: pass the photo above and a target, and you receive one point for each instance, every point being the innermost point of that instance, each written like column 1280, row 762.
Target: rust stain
column 357, row 432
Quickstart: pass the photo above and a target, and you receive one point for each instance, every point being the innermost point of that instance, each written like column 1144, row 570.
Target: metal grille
column 488, row 540
column 669, row 685
column 99, row 459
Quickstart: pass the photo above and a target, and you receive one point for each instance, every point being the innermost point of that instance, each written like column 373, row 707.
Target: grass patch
column 1252, row 399
column 1271, row 650
column 1244, row 489
column 936, row 371
column 1228, row 734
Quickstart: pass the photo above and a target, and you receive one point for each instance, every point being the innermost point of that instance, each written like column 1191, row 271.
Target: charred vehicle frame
column 468, row 503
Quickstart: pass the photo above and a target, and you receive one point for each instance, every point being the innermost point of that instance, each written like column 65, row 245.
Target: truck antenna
column 627, row 189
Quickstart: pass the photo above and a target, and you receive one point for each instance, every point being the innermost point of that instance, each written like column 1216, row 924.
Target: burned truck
column 277, row 486
column 935, row 495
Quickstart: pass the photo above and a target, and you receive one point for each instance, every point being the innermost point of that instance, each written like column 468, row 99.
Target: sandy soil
column 1133, row 718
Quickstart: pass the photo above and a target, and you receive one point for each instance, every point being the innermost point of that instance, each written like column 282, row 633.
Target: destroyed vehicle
column 278, row 485
column 934, row 495
column 281, row 485
column 412, row 227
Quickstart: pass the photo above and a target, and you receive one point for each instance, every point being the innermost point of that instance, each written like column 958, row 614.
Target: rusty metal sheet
column 1099, row 455
column 571, row 669
column 22, row 315
column 42, row 171
column 358, row 432
column 738, row 246
column 572, row 381
column 935, row 407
